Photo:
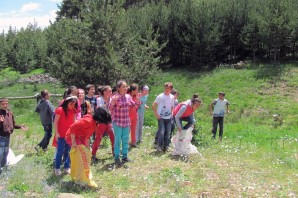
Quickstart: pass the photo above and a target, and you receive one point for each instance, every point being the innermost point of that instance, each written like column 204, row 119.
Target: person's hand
column 57, row 136
column 211, row 113
column 157, row 116
column 24, row 127
column 1, row 118
column 147, row 107
column 74, row 144
column 228, row 111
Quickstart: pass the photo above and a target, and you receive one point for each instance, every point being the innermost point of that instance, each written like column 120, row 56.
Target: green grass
column 257, row 157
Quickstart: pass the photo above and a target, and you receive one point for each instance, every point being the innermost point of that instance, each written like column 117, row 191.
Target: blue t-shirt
column 143, row 100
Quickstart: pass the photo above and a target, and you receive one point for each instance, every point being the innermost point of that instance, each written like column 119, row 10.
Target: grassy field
column 257, row 158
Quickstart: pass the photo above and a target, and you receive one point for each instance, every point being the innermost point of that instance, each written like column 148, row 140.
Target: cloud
column 56, row 1
column 30, row 7
column 18, row 20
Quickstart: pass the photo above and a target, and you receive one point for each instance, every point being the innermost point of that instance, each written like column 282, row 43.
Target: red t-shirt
column 65, row 120
column 82, row 129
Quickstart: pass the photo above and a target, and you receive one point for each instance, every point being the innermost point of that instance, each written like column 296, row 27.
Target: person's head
column 45, row 94
column 90, row 88
column 114, row 90
column 99, row 90
column 145, row 90
column 4, row 103
column 195, row 101
column 72, row 90
column 168, row 86
column 175, row 93
column 122, row 87
column 106, row 91
column 81, row 94
column 69, row 103
column 221, row 95
column 101, row 116
column 133, row 89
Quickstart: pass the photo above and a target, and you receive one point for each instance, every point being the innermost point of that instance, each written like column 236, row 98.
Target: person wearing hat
column 217, row 109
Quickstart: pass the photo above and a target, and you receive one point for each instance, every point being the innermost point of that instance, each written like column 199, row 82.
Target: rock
column 39, row 78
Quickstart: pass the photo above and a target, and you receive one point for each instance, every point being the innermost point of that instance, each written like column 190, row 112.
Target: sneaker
column 124, row 160
column 159, row 149
column 134, row 146
column 57, row 172
column 94, row 158
column 118, row 162
column 67, row 171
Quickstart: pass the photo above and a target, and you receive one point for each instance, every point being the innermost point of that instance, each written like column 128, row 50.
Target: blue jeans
column 121, row 136
column 164, row 130
column 190, row 121
column 47, row 136
column 62, row 150
column 4, row 148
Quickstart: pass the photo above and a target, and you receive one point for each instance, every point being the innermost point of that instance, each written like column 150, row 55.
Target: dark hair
column 44, row 93
column 195, row 99
column 101, row 115
column 174, row 91
column 99, row 88
column 89, row 86
column 69, row 90
column 132, row 87
column 114, row 89
column 104, row 88
column 67, row 100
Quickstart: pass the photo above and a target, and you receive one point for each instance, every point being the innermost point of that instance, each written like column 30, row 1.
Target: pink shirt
column 120, row 109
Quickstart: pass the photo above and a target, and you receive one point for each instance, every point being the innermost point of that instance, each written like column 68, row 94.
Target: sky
column 19, row 13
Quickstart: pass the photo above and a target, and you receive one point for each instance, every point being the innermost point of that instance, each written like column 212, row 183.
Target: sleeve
column 179, row 114
column 51, row 108
column 214, row 102
column 76, row 127
column 59, row 111
column 227, row 103
column 130, row 100
column 157, row 99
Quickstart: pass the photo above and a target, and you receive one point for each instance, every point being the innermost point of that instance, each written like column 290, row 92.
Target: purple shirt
column 119, row 108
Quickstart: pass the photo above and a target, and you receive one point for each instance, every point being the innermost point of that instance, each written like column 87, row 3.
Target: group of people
column 118, row 112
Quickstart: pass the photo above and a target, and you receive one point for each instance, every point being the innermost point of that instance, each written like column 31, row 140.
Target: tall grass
column 257, row 158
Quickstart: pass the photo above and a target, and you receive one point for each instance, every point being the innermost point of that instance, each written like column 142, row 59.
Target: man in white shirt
column 163, row 107
column 217, row 109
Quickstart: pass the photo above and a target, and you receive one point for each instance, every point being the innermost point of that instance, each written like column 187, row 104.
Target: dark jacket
column 8, row 125
column 46, row 111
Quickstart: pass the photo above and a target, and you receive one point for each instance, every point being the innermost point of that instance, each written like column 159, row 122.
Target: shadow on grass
column 180, row 158
column 71, row 187
column 157, row 153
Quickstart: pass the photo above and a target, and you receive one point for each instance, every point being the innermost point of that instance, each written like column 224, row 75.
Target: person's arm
column 178, row 116
column 57, row 117
column 228, row 104
column 211, row 108
column 15, row 126
column 73, row 140
column 154, row 108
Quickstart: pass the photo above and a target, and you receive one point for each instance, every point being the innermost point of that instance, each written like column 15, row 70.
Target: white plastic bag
column 12, row 159
column 182, row 143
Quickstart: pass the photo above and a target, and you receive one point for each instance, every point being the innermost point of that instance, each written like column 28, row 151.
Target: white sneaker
column 57, row 172
column 67, row 171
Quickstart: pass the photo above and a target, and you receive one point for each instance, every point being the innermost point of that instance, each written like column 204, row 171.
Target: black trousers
column 217, row 121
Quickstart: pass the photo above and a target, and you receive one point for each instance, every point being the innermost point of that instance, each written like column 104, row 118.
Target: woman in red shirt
column 133, row 91
column 78, row 136
column 64, row 117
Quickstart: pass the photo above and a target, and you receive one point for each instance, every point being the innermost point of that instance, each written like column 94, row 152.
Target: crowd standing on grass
column 81, row 120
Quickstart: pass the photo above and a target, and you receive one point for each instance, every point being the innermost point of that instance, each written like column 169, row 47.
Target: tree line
column 100, row 41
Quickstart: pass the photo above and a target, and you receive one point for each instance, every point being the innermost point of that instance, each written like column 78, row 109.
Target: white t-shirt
column 165, row 105
column 219, row 107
